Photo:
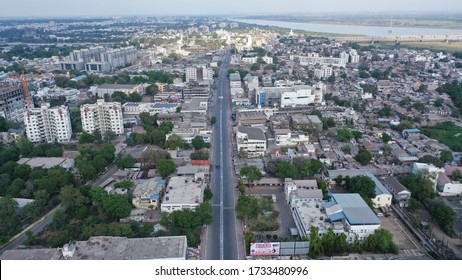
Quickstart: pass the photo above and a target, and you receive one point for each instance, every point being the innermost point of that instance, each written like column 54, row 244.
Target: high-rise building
column 354, row 57
column 48, row 124
column 99, row 59
column 194, row 74
column 102, row 116
column 12, row 102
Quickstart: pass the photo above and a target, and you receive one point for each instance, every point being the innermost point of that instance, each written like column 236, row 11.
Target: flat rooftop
column 182, row 190
column 117, row 86
column 253, row 133
column 110, row 248
column 47, row 162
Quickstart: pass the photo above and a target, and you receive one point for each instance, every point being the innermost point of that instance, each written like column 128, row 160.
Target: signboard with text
column 265, row 249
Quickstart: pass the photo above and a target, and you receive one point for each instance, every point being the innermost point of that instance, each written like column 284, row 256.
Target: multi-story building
column 193, row 74
column 354, row 56
column 48, row 124
column 293, row 96
column 249, row 59
column 185, row 192
column 251, row 140
column 109, row 89
column 12, row 102
column 267, row 59
column 102, row 116
column 324, row 72
column 99, row 59
column 314, row 58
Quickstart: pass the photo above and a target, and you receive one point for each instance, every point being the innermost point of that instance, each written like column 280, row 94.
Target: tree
column 9, row 223
column 125, row 161
column 286, row 170
column 344, row 134
column 446, row 156
column 315, row 243
column 252, row 173
column 432, row 160
column 119, row 96
column 199, row 143
column 22, row 171
column 213, row 120
column 386, row 112
column 71, row 198
column 24, row 145
column 205, row 212
column 175, row 141
column 3, row 125
column 444, row 215
column 364, row 186
column 124, row 184
column 386, row 148
column 346, row 149
column 86, row 138
column 208, row 194
column 363, row 157
column 117, row 206
column 331, row 79
column 108, row 136
column 17, row 185
column 98, row 195
column 381, row 241
column 357, row 134
column 255, row 67
column 247, row 208
column 166, row 167
column 439, row 102
column 386, row 137
column 135, row 97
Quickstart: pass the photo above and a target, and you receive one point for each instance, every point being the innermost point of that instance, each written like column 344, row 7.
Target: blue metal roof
column 337, row 216
column 154, row 196
column 355, row 209
column 412, row 130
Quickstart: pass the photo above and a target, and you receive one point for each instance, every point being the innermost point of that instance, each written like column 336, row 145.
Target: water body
column 352, row 29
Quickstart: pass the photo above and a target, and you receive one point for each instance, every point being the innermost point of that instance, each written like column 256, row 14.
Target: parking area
column 285, row 218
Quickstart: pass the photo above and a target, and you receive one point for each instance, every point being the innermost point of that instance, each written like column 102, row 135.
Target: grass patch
column 447, row 133
column 434, row 46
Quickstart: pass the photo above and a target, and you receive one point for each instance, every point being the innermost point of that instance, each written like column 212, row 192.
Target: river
column 352, row 29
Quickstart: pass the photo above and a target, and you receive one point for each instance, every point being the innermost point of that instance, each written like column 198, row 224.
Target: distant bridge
column 401, row 38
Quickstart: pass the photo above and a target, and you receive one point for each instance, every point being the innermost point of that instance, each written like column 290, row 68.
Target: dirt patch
column 401, row 235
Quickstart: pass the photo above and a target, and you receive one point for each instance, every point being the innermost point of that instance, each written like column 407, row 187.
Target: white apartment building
column 354, row 56
column 251, row 140
column 267, row 59
column 249, row 59
column 285, row 137
column 192, row 74
column 314, row 58
column 301, row 97
column 102, row 116
column 48, row 124
column 324, row 72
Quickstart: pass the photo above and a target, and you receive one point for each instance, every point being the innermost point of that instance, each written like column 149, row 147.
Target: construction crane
column 25, row 85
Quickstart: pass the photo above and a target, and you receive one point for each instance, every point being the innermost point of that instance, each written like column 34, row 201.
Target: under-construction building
column 12, row 102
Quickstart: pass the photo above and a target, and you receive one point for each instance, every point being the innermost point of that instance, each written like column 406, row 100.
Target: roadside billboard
column 265, row 249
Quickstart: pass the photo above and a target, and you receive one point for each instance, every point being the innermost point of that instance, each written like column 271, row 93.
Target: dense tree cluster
column 422, row 191
column 446, row 133
column 91, row 162
column 188, row 222
column 363, row 157
column 454, row 90
column 299, row 168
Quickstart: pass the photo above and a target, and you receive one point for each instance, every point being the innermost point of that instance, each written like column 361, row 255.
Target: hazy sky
column 59, row 8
